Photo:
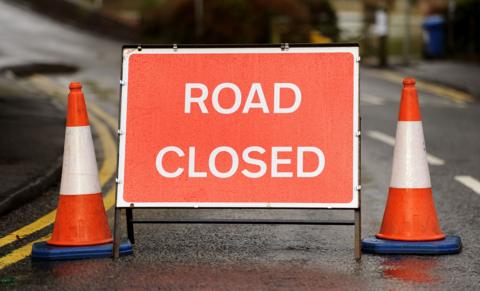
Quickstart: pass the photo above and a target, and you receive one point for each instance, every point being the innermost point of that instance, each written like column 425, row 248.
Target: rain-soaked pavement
column 247, row 257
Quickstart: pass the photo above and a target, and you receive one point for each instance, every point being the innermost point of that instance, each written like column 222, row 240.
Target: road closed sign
column 239, row 127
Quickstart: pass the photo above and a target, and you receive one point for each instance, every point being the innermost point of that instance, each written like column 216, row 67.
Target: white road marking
column 372, row 99
column 470, row 182
column 390, row 140
column 380, row 136
column 434, row 161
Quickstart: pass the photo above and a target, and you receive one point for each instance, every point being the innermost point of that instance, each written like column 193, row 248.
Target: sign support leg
column 358, row 234
column 358, row 211
column 116, row 234
column 130, row 233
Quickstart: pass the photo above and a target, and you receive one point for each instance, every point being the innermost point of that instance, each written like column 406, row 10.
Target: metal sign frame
column 354, row 205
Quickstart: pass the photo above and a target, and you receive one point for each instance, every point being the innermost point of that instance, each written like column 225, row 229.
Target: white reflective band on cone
column 410, row 168
column 79, row 172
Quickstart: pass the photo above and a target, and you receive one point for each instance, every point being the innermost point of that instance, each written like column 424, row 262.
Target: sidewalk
column 31, row 145
column 458, row 75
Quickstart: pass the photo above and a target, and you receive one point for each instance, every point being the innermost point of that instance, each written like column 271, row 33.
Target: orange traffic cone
column 410, row 223
column 410, row 212
column 81, row 219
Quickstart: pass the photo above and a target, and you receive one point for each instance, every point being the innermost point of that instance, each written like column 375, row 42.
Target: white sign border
column 128, row 52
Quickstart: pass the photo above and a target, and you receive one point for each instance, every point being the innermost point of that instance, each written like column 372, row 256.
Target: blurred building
column 410, row 25
column 414, row 28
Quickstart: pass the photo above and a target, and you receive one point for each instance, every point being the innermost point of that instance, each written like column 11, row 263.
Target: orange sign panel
column 239, row 127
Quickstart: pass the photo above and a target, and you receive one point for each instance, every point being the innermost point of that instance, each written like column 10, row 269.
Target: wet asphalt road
column 249, row 257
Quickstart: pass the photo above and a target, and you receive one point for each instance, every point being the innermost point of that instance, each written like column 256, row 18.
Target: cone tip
column 75, row 85
column 409, row 81
column 77, row 110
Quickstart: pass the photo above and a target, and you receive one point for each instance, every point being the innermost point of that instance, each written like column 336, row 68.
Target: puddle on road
column 411, row 269
column 101, row 274
column 135, row 272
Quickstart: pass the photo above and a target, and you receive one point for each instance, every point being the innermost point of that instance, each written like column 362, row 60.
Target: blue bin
column 435, row 35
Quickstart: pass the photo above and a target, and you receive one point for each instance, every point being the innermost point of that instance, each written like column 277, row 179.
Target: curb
column 465, row 93
column 37, row 181
column 27, row 192
column 84, row 17
column 475, row 95
column 396, row 75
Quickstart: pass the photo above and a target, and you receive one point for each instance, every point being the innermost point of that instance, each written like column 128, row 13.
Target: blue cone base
column 42, row 251
column 448, row 245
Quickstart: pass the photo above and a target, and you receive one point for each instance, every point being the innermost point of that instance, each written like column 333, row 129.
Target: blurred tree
column 236, row 21
column 324, row 18
column 466, row 28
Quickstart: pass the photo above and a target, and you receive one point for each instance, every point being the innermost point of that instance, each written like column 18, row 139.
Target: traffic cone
column 410, row 223
column 81, row 219
column 410, row 212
